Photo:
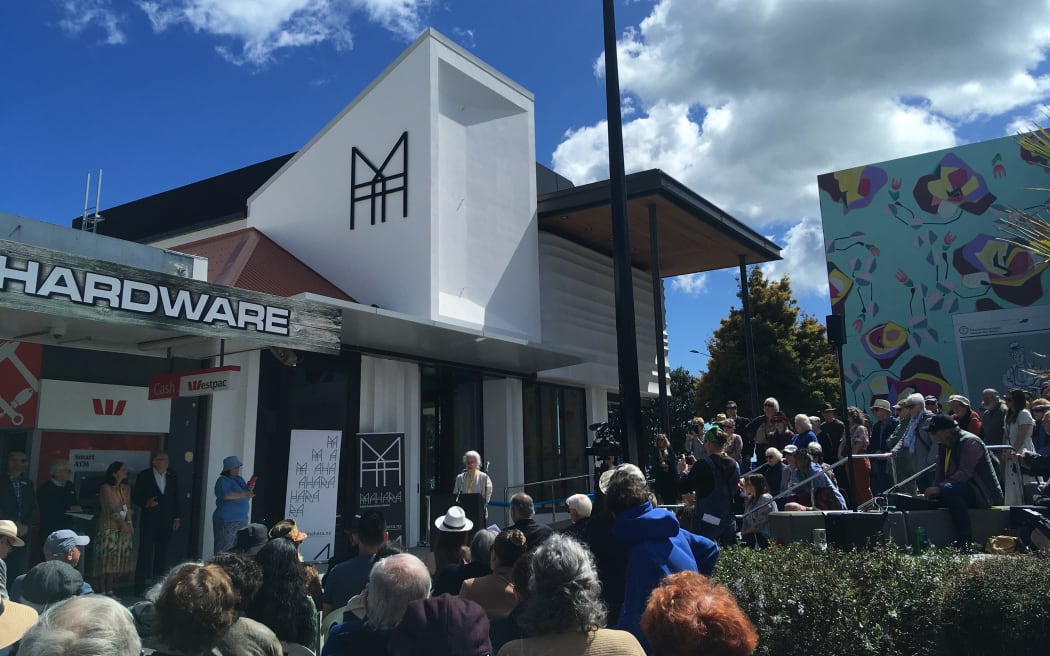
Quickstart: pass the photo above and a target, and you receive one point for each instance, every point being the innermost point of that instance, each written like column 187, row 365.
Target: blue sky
column 745, row 101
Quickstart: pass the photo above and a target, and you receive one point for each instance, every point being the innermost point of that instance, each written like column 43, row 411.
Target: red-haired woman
column 688, row 614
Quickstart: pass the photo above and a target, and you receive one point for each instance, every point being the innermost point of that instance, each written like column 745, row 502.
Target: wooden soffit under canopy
column 694, row 235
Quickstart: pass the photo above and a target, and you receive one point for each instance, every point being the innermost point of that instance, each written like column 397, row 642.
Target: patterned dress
column 112, row 544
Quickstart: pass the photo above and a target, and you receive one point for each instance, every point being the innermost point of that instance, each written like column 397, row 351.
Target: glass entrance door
column 451, row 424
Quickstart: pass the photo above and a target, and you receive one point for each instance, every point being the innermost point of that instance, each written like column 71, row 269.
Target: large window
column 555, row 437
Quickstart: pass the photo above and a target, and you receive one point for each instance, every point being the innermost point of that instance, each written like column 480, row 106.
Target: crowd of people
column 627, row 577
column 628, row 581
column 892, row 449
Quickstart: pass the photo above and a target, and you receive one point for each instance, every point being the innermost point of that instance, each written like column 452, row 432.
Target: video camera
column 604, row 444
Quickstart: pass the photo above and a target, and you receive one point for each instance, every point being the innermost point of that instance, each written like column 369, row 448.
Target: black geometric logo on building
column 373, row 184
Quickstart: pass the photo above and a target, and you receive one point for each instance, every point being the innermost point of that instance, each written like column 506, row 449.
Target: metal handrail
column 871, row 501
column 868, row 456
column 553, row 506
column 896, row 486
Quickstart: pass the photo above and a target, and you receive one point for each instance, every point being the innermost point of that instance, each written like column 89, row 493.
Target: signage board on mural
column 73, row 406
column 381, row 479
column 19, row 383
column 313, row 489
column 201, row 382
column 55, row 283
column 1002, row 349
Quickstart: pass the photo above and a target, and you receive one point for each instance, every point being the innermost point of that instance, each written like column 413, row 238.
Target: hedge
column 885, row 601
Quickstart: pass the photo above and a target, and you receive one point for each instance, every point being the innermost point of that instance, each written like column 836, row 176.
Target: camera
column 604, row 444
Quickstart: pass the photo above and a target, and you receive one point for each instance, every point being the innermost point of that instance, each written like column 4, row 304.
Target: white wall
column 579, row 315
column 390, row 403
column 485, row 219
column 231, row 432
column 504, row 438
column 305, row 207
column 466, row 253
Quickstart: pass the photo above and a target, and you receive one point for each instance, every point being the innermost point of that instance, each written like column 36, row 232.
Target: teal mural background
column 912, row 241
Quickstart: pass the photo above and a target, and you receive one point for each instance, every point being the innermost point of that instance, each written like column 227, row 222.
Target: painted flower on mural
column 885, row 342
column 853, row 188
column 919, row 330
column 840, row 285
column 952, row 188
column 1013, row 273
column 998, row 170
column 949, row 239
column 901, row 276
column 920, row 374
column 895, row 188
column 904, row 215
column 874, row 250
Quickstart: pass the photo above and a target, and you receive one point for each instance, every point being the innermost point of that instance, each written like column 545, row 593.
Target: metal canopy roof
column 401, row 336
column 694, row 235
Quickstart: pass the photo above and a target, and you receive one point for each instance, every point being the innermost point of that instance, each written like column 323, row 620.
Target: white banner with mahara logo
column 313, row 489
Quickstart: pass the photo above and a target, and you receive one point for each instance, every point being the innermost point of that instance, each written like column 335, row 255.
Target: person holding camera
column 715, row 479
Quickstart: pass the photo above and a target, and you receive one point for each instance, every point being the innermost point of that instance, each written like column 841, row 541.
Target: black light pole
column 658, row 322
column 836, row 329
column 626, row 337
column 749, row 340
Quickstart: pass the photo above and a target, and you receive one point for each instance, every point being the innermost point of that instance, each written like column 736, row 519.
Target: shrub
column 875, row 601
column 997, row 605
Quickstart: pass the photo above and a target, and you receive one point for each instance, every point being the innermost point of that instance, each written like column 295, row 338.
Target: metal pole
column 626, row 338
column 749, row 341
column 851, row 497
column 658, row 322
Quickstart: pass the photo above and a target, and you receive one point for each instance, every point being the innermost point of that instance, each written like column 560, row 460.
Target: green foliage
column 793, row 359
column 875, row 601
column 681, row 395
column 997, row 605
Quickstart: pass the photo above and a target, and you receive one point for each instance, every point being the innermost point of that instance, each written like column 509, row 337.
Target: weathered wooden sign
column 42, row 280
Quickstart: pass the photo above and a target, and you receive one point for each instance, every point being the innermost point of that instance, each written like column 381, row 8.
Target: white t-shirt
column 1024, row 418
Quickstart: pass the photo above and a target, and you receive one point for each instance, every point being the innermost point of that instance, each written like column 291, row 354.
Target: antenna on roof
column 90, row 222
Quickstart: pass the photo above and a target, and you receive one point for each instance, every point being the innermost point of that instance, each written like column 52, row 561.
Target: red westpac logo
column 109, row 407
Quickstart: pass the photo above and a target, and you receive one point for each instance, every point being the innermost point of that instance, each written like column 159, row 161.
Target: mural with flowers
column 909, row 243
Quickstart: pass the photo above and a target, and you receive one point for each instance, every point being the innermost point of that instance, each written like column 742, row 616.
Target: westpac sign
column 201, row 382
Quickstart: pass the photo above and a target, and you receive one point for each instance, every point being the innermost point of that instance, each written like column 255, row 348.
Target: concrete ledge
column 941, row 532
column 845, row 529
column 786, row 527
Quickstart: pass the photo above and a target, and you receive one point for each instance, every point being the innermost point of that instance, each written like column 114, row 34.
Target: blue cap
column 231, row 462
column 60, row 542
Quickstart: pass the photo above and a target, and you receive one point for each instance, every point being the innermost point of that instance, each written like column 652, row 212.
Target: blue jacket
column 657, row 546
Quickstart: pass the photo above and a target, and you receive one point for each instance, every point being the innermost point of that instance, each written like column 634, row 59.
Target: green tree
column 681, row 398
column 793, row 359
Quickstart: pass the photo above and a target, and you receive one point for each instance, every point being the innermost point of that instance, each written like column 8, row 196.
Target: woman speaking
column 473, row 480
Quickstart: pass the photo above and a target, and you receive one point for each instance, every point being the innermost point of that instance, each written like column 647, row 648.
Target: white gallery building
column 434, row 287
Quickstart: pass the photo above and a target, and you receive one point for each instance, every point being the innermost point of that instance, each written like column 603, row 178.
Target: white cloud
column 79, row 15
column 465, row 37
column 691, row 284
column 261, row 27
column 785, row 91
column 804, row 261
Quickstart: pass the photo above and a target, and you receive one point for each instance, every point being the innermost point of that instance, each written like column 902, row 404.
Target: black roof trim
column 213, row 201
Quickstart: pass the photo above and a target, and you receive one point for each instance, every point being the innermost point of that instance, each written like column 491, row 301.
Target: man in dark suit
column 521, row 511
column 17, row 502
column 156, row 492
